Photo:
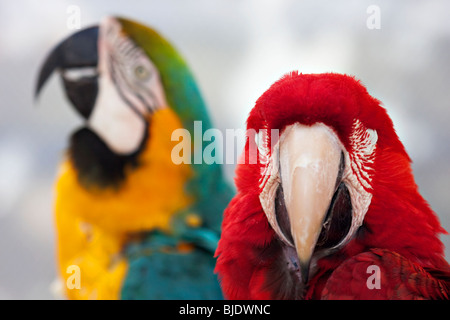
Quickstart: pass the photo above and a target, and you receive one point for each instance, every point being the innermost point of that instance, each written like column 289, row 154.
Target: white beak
column 309, row 166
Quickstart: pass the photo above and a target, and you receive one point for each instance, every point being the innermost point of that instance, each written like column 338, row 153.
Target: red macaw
column 327, row 207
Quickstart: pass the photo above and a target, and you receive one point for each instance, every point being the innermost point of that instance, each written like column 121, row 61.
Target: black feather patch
column 283, row 278
column 97, row 166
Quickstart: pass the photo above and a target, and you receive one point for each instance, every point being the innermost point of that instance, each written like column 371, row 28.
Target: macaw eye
column 141, row 73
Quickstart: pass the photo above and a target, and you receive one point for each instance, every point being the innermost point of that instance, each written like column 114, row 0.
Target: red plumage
column 400, row 232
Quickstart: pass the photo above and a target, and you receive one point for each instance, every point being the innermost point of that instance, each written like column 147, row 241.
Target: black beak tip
column 304, row 271
column 44, row 75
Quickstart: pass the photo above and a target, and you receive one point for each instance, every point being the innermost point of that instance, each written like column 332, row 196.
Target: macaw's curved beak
column 76, row 58
column 310, row 158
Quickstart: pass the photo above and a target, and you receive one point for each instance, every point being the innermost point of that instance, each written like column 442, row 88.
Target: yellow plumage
column 94, row 224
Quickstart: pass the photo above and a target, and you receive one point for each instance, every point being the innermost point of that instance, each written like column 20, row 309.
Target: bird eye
column 141, row 73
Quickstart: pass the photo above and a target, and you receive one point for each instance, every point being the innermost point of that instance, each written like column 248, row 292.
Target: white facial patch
column 129, row 90
column 357, row 174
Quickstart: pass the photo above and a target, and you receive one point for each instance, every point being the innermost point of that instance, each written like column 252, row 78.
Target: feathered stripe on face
column 131, row 71
column 119, row 82
column 130, row 90
column 359, row 173
column 363, row 142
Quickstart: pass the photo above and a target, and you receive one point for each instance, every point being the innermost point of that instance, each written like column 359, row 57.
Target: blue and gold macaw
column 134, row 223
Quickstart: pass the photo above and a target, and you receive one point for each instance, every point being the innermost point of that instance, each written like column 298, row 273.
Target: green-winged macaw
column 131, row 222
column 326, row 205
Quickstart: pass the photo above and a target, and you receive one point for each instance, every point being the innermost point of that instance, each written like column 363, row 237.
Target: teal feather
column 158, row 273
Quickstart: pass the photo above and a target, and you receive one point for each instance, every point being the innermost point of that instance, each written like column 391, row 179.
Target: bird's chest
column 147, row 199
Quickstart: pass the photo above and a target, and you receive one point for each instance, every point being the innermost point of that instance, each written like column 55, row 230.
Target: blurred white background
column 236, row 49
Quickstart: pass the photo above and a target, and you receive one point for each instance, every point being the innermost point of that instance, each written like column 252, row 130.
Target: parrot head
column 117, row 76
column 106, row 75
column 331, row 177
column 315, row 184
